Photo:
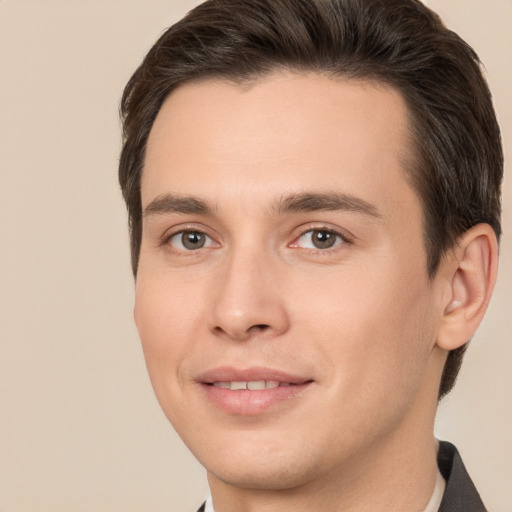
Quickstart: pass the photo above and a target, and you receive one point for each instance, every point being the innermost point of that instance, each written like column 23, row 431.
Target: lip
column 230, row 374
column 251, row 402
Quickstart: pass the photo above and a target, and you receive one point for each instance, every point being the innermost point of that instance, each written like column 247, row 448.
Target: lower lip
column 252, row 402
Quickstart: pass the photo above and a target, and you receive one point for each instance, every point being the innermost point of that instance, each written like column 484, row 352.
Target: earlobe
column 471, row 279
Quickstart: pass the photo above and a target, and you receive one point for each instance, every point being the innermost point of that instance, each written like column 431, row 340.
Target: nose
column 246, row 300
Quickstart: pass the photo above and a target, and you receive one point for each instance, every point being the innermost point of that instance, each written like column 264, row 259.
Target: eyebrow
column 329, row 201
column 171, row 203
column 293, row 203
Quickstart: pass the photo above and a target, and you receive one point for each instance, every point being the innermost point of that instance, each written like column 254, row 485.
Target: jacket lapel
column 460, row 494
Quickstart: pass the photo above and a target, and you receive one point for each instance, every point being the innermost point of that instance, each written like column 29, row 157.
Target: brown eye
column 190, row 240
column 323, row 239
column 193, row 240
column 320, row 239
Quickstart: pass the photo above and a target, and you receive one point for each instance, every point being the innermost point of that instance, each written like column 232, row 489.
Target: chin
column 261, row 462
column 257, row 476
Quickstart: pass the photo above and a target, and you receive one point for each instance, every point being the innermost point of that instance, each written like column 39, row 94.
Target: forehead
column 282, row 133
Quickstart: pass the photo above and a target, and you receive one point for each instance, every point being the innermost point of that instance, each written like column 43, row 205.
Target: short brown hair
column 457, row 150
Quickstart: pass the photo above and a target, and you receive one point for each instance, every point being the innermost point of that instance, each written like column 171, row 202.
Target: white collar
column 209, row 505
column 437, row 495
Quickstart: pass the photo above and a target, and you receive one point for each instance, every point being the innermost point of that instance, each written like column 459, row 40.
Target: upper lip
column 231, row 374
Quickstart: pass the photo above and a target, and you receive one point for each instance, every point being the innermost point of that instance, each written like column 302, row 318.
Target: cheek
column 374, row 326
column 165, row 319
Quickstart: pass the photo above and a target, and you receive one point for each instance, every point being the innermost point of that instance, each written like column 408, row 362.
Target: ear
column 471, row 271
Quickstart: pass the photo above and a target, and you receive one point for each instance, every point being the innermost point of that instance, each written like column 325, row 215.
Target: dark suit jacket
column 460, row 494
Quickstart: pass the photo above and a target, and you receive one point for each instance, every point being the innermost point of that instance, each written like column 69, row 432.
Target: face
column 282, row 298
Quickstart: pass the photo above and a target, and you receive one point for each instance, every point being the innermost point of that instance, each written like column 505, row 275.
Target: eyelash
column 167, row 240
column 342, row 239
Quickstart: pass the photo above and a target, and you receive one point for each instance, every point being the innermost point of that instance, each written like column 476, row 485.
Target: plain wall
column 80, row 429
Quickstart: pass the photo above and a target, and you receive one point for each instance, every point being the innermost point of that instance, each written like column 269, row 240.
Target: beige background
column 80, row 429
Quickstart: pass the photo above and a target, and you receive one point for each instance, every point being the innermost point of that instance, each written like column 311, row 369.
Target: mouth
column 253, row 385
column 253, row 391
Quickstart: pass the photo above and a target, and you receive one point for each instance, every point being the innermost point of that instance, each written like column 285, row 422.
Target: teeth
column 256, row 384
column 251, row 385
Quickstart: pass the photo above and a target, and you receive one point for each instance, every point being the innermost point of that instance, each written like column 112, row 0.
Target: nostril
column 243, row 334
column 261, row 327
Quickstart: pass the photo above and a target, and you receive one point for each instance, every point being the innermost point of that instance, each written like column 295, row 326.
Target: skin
column 361, row 319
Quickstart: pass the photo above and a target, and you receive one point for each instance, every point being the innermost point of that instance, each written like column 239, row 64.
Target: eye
column 319, row 239
column 190, row 240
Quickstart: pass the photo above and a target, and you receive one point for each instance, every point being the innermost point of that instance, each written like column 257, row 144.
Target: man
column 314, row 197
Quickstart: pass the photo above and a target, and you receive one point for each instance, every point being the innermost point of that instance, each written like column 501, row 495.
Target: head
column 453, row 162
column 457, row 161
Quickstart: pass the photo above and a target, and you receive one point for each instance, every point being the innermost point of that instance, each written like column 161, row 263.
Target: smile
column 253, row 385
column 253, row 391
